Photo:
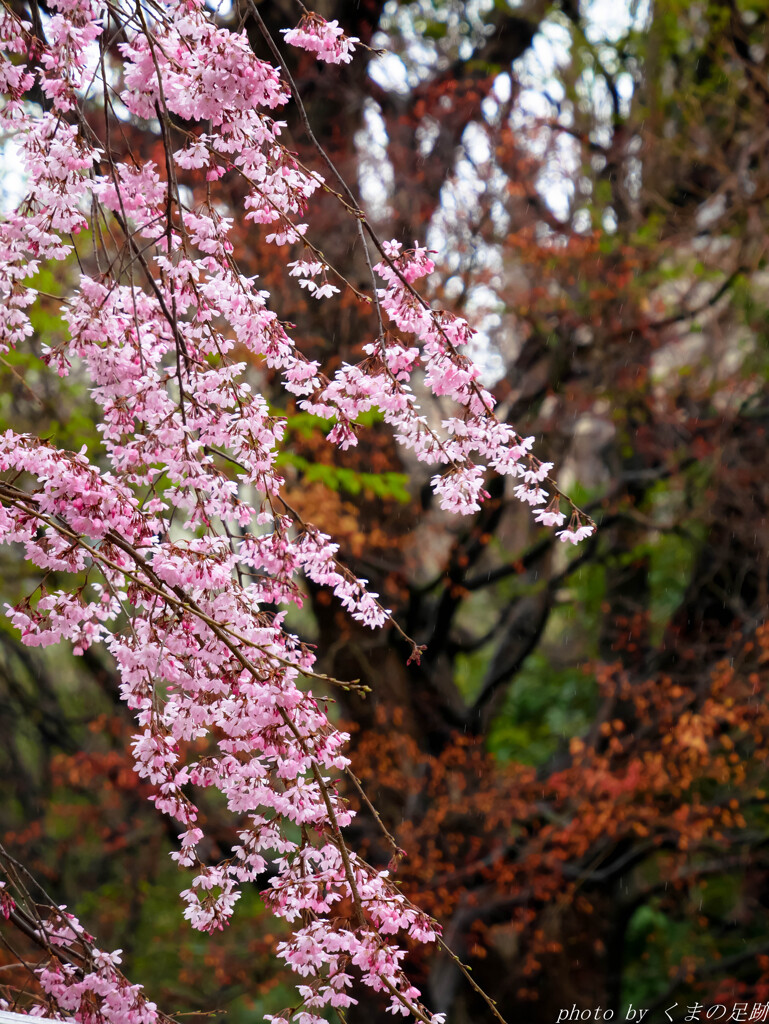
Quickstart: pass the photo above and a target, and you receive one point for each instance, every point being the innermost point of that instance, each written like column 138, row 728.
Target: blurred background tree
column 577, row 770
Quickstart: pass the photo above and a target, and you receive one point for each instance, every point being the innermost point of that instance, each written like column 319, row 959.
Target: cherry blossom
column 323, row 38
column 171, row 545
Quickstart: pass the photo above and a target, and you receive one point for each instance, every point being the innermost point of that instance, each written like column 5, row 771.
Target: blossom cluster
column 323, row 38
column 81, row 980
column 176, row 524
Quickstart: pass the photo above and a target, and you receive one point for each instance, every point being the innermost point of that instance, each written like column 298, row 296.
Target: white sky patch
column 375, row 173
column 476, row 144
column 13, row 180
column 503, row 87
column 390, row 73
column 223, row 8
column 610, row 20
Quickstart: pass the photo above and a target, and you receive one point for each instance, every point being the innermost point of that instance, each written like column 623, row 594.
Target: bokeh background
column 577, row 770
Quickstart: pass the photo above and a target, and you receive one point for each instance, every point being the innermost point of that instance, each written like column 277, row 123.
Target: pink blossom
column 323, row 38
column 574, row 536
